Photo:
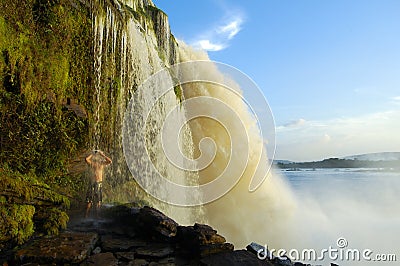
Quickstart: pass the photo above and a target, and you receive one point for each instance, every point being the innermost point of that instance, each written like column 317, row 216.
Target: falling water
column 240, row 215
column 128, row 50
column 98, row 26
column 130, row 47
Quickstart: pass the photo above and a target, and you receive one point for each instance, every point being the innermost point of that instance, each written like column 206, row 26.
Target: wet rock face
column 155, row 251
column 153, row 239
column 67, row 247
column 103, row 259
column 199, row 234
column 201, row 240
column 155, row 224
column 119, row 243
column 235, row 258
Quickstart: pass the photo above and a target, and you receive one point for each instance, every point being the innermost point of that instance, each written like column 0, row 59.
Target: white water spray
column 240, row 215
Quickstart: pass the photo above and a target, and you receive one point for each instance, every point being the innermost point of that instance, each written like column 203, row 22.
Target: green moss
column 45, row 58
column 27, row 189
column 41, row 139
column 178, row 90
column 55, row 220
column 16, row 223
column 28, row 205
column 178, row 93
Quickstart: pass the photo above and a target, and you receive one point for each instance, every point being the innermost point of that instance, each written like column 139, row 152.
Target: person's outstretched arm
column 88, row 159
column 108, row 160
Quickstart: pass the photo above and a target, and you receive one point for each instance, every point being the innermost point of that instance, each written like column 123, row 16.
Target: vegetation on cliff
column 28, row 205
column 50, row 103
column 45, row 61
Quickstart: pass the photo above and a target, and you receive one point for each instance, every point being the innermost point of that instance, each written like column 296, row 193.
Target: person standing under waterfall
column 97, row 160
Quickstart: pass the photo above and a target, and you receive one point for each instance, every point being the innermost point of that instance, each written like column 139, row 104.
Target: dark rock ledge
column 136, row 236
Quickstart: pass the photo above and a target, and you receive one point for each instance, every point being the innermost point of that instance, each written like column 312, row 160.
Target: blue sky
column 330, row 70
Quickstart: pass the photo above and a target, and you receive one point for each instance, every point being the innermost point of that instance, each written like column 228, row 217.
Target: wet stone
column 154, row 251
column 201, row 240
column 165, row 262
column 103, row 259
column 138, row 262
column 156, row 224
column 303, row 264
column 260, row 250
column 206, row 250
column 235, row 258
column 96, row 250
column 199, row 234
column 126, row 256
column 116, row 243
column 67, row 247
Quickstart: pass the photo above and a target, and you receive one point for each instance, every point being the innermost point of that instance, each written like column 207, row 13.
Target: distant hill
column 282, row 161
column 373, row 160
column 379, row 156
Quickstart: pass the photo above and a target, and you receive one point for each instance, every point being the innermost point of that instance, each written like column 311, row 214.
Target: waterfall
column 131, row 48
column 98, row 26
column 240, row 215
column 132, row 41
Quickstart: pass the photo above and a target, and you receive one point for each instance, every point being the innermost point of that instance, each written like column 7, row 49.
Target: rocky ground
column 125, row 235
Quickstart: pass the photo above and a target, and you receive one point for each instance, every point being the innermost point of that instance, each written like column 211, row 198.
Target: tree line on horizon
column 341, row 163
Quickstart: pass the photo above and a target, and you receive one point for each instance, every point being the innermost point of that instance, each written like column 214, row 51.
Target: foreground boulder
column 67, row 247
column 103, row 259
column 156, row 224
column 144, row 236
column 234, row 258
column 201, row 240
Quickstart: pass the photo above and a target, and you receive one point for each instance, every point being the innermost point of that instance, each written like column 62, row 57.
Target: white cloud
column 218, row 37
column 316, row 140
column 232, row 28
column 295, row 123
column 208, row 46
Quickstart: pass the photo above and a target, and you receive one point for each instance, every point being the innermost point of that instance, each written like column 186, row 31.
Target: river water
column 359, row 207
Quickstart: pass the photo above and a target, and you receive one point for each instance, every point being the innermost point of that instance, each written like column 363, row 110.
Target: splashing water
column 313, row 218
column 240, row 215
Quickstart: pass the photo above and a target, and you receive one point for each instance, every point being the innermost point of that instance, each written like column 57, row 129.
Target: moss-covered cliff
column 67, row 70
column 45, row 61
